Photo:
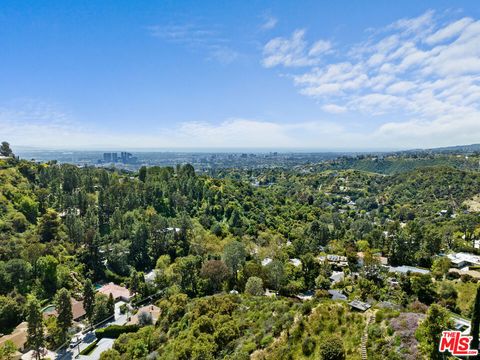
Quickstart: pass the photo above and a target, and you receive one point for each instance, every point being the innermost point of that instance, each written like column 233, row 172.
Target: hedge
column 114, row 331
column 89, row 348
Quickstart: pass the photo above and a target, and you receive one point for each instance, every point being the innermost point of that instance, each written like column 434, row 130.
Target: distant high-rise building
column 107, row 157
column 125, row 157
column 114, row 157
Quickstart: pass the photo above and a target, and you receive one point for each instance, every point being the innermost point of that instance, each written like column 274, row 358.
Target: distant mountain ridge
column 457, row 148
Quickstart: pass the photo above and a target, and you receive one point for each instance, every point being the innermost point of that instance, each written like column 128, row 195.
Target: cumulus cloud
column 424, row 72
column 293, row 51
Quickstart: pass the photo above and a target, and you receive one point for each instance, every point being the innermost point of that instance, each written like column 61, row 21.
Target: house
column 295, row 262
column 335, row 260
column 18, row 337
column 118, row 292
column 359, row 305
column 150, row 276
column 153, row 310
column 337, row 295
column 406, row 269
column 266, row 261
column 361, row 255
column 462, row 259
column 337, row 276
column 78, row 310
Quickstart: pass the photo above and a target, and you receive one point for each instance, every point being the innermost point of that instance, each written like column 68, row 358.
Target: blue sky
column 243, row 74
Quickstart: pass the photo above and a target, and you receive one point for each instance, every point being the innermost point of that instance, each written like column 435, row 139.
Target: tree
column 254, row 286
column 35, row 330
column 49, row 226
column 142, row 173
column 234, row 256
column 10, row 313
column 331, row 348
column 110, row 354
column 28, row 207
column 440, row 267
column 145, row 318
column 111, row 304
column 138, row 248
column 430, row 330
column 7, row 350
column 5, row 149
column 47, row 273
column 102, row 309
column 475, row 329
column 216, row 272
column 422, row 286
column 89, row 299
column 63, row 306
column 275, row 274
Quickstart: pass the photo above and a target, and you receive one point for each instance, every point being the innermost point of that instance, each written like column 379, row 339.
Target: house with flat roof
column 406, row 269
column 359, row 305
column 337, row 295
column 462, row 259
column 119, row 293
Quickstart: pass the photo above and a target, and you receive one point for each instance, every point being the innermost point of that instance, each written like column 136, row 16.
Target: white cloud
column 269, row 23
column 449, row 31
column 293, row 51
column 334, row 108
column 418, row 71
column 194, row 37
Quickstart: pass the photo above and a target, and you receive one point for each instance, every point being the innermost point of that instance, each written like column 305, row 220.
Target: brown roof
column 77, row 310
column 117, row 291
column 18, row 336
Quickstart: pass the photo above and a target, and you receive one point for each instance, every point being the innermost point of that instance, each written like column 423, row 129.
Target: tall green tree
column 111, row 305
column 430, row 331
column 5, row 149
column 234, row 255
column 36, row 329
column 88, row 299
column 475, row 329
column 63, row 306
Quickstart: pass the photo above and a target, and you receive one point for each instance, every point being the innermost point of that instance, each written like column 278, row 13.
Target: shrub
column 331, row 348
column 308, row 346
column 254, row 286
column 452, row 275
column 89, row 348
column 266, row 340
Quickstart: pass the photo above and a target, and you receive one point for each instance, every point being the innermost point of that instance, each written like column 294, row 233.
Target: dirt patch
column 473, row 204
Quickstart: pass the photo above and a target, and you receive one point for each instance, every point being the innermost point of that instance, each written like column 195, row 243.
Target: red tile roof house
column 118, row 292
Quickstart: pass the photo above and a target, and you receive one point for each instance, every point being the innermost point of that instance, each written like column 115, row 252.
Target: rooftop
column 117, row 291
column 405, row 269
column 464, row 257
column 18, row 336
column 359, row 305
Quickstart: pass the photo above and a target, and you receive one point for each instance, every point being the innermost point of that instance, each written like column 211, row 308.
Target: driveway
column 103, row 345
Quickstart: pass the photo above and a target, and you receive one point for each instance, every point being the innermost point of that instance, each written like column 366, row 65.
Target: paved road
column 103, row 345
column 69, row 354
